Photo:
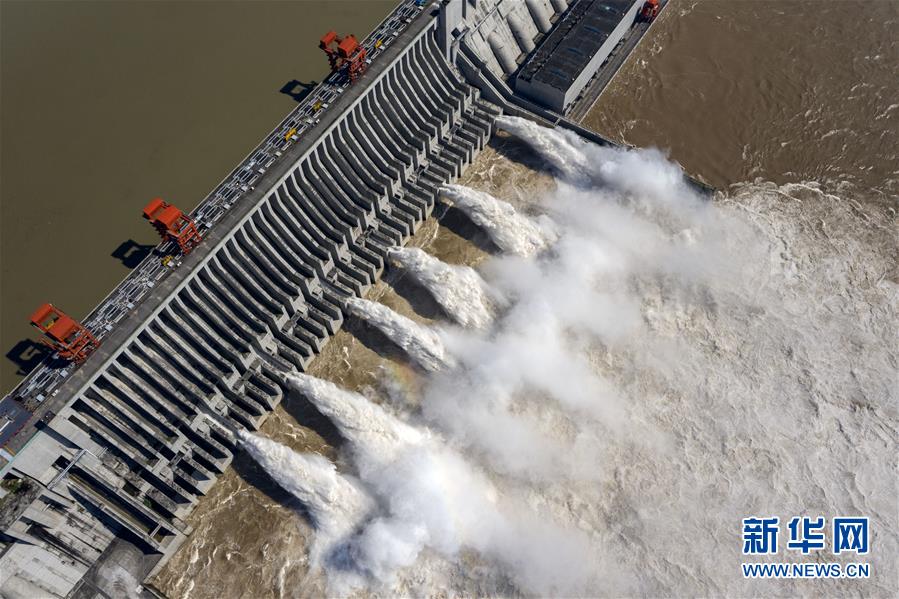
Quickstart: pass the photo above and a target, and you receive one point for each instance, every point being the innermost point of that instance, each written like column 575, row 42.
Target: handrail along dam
column 121, row 448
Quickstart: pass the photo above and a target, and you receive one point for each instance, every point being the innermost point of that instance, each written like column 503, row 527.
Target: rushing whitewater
column 645, row 175
column 564, row 152
column 428, row 497
column 459, row 290
column 335, row 503
column 717, row 382
column 668, row 367
column 510, row 231
column 421, row 343
column 367, row 426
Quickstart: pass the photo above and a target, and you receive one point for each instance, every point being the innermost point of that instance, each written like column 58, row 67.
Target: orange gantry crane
column 342, row 52
column 65, row 335
column 172, row 224
column 650, row 10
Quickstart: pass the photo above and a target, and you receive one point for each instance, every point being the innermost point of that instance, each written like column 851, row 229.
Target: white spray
column 510, row 231
column 565, row 153
column 757, row 350
column 431, row 497
column 459, row 290
column 336, row 504
column 751, row 344
column 371, row 430
column 421, row 343
column 624, row 172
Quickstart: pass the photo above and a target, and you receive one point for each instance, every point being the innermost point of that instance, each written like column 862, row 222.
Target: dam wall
column 141, row 431
column 501, row 32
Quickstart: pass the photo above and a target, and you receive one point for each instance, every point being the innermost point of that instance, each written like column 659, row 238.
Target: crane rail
column 46, row 378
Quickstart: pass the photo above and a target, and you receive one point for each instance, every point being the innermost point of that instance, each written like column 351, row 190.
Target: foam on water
column 429, row 498
column 752, row 337
column 421, row 343
column 459, row 290
column 510, row 231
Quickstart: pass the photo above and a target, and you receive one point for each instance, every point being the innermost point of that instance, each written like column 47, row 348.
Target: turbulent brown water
column 794, row 101
column 785, row 90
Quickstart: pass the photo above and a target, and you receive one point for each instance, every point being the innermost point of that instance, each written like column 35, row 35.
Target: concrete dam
column 119, row 447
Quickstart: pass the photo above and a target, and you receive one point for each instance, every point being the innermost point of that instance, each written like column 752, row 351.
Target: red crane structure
column 68, row 337
column 342, row 52
column 172, row 224
column 650, row 10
